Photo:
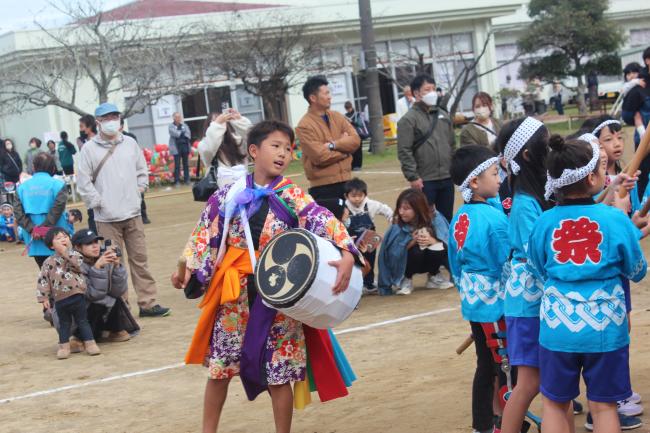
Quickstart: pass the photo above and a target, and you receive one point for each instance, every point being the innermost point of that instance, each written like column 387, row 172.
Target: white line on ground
column 174, row 366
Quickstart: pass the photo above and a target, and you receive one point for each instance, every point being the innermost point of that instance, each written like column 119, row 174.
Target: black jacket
column 10, row 165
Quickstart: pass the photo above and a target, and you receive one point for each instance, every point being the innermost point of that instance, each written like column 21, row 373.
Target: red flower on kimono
column 507, row 203
column 460, row 230
column 576, row 241
column 287, row 348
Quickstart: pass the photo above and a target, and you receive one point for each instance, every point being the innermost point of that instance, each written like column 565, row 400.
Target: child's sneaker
column 577, row 407
column 636, row 398
column 370, row 290
column 76, row 345
column 91, row 348
column 627, row 422
column 405, row 287
column 627, row 408
column 438, row 282
column 64, row 351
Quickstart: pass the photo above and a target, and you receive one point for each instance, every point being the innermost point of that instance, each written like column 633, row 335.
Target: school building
column 404, row 30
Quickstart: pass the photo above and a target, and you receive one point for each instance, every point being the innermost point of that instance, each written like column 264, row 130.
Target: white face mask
column 110, row 127
column 482, row 112
column 32, row 145
column 430, row 98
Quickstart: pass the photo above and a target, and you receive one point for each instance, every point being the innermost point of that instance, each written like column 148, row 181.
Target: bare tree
column 114, row 53
column 268, row 52
column 460, row 77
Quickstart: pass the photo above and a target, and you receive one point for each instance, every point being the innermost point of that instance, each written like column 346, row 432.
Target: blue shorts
column 607, row 375
column 523, row 340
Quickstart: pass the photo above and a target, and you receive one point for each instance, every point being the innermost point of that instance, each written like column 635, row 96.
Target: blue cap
column 106, row 108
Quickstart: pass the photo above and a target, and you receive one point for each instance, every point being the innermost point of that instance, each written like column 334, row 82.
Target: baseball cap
column 106, row 108
column 85, row 237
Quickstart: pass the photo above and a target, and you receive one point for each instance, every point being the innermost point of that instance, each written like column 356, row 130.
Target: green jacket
column 431, row 160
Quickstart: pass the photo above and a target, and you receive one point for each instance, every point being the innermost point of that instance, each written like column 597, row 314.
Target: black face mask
column 83, row 136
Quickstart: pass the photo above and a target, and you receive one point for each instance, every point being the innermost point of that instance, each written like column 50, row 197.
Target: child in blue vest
column 8, row 229
column 524, row 144
column 478, row 250
column 582, row 250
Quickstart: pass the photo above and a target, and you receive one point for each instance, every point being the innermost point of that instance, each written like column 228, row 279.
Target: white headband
column 570, row 176
column 589, row 138
column 465, row 190
column 605, row 123
column 518, row 140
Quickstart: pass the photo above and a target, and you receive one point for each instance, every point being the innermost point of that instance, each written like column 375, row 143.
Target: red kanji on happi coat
column 577, row 240
column 460, row 230
column 507, row 203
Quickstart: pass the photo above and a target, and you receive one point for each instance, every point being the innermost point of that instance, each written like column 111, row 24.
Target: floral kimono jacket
column 237, row 334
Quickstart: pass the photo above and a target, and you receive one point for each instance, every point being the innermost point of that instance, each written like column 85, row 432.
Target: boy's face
column 487, row 184
column 273, row 154
column 61, row 242
column 356, row 197
column 7, row 212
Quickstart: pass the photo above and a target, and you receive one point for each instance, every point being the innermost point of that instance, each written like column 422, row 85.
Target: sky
column 20, row 15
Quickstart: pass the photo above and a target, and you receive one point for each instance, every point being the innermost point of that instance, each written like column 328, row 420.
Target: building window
column 639, row 38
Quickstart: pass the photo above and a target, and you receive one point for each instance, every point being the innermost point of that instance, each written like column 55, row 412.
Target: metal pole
column 372, row 78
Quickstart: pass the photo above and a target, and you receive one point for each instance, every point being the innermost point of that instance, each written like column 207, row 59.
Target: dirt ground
column 409, row 376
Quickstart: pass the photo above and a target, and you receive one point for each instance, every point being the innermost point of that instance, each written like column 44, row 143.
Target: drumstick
column 182, row 268
column 645, row 209
column 465, row 344
column 639, row 156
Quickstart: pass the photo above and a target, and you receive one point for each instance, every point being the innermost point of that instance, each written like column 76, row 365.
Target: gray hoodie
column 115, row 195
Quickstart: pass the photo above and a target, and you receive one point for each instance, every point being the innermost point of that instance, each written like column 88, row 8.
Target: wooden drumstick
column 465, row 344
column 639, row 156
column 182, row 269
column 645, row 209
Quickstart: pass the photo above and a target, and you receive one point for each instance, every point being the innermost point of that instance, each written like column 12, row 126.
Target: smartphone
column 225, row 107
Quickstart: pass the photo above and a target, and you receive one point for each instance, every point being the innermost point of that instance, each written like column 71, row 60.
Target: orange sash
column 224, row 287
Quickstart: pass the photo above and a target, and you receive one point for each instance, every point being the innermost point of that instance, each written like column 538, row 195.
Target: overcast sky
column 20, row 14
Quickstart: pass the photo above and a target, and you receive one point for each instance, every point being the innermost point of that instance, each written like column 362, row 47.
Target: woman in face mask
column 10, row 164
column 484, row 129
column 34, row 149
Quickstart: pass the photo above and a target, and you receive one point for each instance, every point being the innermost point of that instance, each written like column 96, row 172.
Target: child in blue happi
column 478, row 250
column 8, row 226
column 72, row 217
column 582, row 250
column 524, row 144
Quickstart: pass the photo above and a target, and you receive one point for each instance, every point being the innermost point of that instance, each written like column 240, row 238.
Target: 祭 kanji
column 460, row 230
column 577, row 241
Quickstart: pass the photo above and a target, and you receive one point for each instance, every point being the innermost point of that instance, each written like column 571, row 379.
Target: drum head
column 286, row 268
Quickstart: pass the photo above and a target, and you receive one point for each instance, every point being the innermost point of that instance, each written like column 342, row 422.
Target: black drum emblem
column 286, row 268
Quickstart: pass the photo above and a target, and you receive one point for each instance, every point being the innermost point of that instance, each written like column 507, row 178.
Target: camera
column 109, row 244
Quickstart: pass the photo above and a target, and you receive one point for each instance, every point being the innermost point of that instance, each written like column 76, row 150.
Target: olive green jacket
column 431, row 160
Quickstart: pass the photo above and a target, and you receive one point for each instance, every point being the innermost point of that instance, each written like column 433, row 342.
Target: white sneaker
column 627, row 408
column 438, row 282
column 636, row 398
column 405, row 287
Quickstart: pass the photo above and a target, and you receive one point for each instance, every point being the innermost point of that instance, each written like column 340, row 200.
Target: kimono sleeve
column 198, row 247
column 321, row 221
column 634, row 263
column 500, row 246
column 525, row 221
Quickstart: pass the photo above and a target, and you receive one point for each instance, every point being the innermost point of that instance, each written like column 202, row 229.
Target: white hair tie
column 518, row 140
column 604, row 124
column 589, row 138
column 570, row 176
column 465, row 190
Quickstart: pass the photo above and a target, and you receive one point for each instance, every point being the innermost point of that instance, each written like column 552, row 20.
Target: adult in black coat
column 10, row 163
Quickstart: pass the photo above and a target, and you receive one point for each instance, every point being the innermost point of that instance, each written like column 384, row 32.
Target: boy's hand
column 61, row 244
column 344, row 271
column 46, row 303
